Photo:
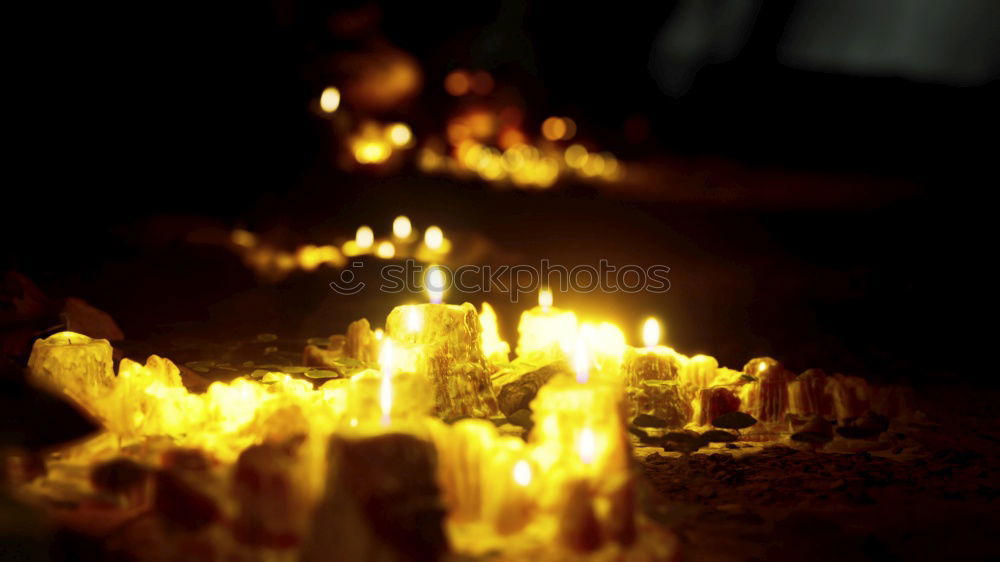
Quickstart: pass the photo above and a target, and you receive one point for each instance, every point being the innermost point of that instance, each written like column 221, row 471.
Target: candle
column 495, row 349
column 487, row 480
column 74, row 365
column 442, row 342
column 580, row 443
column 545, row 332
column 653, row 362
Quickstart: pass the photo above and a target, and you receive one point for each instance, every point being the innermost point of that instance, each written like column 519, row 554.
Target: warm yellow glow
column 329, row 101
column 494, row 348
column 576, row 156
column 433, row 237
column 762, row 367
column 401, row 227
column 522, row 473
column 385, row 387
column 379, row 334
column 399, row 134
column 244, row 238
column 554, row 128
column 364, row 237
column 385, row 250
column 594, row 165
column 435, row 284
column 581, row 359
column 586, row 444
column 651, row 332
column 545, row 298
column 371, row 151
column 414, row 320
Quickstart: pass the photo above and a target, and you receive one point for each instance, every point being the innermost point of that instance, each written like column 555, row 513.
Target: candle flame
column 399, row 134
column 581, row 360
column 651, row 332
column 401, row 227
column 545, row 298
column 364, row 237
column 385, row 389
column 385, row 250
column 329, row 100
column 414, row 320
column 522, row 473
column 433, row 237
column 435, row 284
column 587, row 445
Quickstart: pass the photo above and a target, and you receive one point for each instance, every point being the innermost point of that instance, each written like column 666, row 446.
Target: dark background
column 143, row 119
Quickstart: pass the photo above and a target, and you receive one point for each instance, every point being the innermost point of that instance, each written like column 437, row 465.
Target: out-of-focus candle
column 401, row 227
column 364, row 237
column 433, row 237
column 545, row 332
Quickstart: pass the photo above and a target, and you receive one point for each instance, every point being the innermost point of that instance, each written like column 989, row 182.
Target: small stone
column 521, row 418
column 719, row 436
column 734, row 420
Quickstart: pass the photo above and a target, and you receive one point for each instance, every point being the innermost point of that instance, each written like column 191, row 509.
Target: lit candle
column 74, row 365
column 580, row 443
column 654, row 361
column 442, row 342
column 545, row 332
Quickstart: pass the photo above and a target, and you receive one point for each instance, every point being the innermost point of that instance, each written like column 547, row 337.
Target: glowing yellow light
column 433, row 237
column 385, row 250
column 586, row 443
column 545, row 298
column 401, row 227
column 651, row 332
column 399, row 134
column 379, row 334
column 553, row 128
column 244, row 238
column 364, row 237
column 329, row 101
column 385, row 388
column 581, row 359
column 371, row 152
column 762, row 367
column 594, row 165
column 414, row 320
column 612, row 170
column 522, row 473
column 435, row 283
column 576, row 156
